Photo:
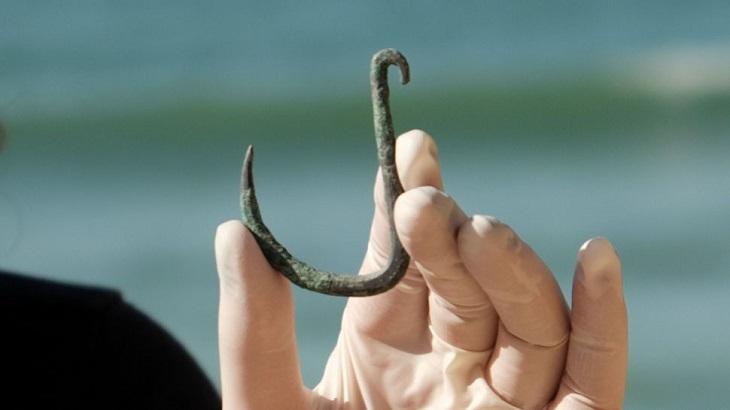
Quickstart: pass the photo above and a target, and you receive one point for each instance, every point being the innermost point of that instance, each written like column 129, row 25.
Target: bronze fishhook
column 307, row 276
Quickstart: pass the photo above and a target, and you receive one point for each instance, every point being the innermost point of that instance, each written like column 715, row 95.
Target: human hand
column 477, row 322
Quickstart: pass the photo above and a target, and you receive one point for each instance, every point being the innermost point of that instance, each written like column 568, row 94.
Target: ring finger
column 529, row 353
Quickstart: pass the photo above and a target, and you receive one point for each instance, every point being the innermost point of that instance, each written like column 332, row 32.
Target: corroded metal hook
column 307, row 276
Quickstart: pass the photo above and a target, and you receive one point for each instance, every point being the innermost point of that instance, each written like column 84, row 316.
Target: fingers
column 595, row 373
column 529, row 353
column 257, row 344
column 459, row 311
column 397, row 317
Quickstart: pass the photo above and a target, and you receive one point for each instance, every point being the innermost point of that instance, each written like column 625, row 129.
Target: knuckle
column 494, row 233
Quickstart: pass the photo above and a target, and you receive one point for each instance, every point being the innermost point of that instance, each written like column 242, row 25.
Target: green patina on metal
column 307, row 276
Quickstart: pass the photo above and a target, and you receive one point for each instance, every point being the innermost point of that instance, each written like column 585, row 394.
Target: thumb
column 256, row 335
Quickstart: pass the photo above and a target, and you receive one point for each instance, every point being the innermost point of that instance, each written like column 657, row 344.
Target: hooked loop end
column 390, row 56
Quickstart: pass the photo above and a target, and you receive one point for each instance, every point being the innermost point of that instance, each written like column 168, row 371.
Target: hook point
column 246, row 172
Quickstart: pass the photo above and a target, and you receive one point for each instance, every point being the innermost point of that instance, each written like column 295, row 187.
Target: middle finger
column 460, row 313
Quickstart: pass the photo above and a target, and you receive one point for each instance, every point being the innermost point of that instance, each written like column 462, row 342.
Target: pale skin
column 478, row 322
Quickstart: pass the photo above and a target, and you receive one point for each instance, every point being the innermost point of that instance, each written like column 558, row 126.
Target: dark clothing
column 76, row 347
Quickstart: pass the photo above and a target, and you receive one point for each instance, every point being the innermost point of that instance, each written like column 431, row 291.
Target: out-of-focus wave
column 689, row 71
column 691, row 85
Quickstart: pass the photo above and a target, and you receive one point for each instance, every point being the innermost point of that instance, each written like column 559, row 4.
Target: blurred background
column 127, row 123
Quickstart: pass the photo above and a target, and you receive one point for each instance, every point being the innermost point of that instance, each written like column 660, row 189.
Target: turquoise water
column 127, row 124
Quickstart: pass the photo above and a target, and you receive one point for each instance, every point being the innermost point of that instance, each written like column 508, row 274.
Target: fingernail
column 599, row 268
column 228, row 249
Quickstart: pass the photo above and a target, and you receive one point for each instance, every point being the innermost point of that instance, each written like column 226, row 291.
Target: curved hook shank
column 305, row 275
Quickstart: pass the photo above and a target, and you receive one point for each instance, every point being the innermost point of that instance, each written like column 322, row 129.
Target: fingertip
column 227, row 233
column 417, row 160
column 238, row 256
column 419, row 212
column 599, row 267
column 417, row 164
column 418, row 140
column 229, row 238
column 598, row 250
column 421, row 198
column 426, row 220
